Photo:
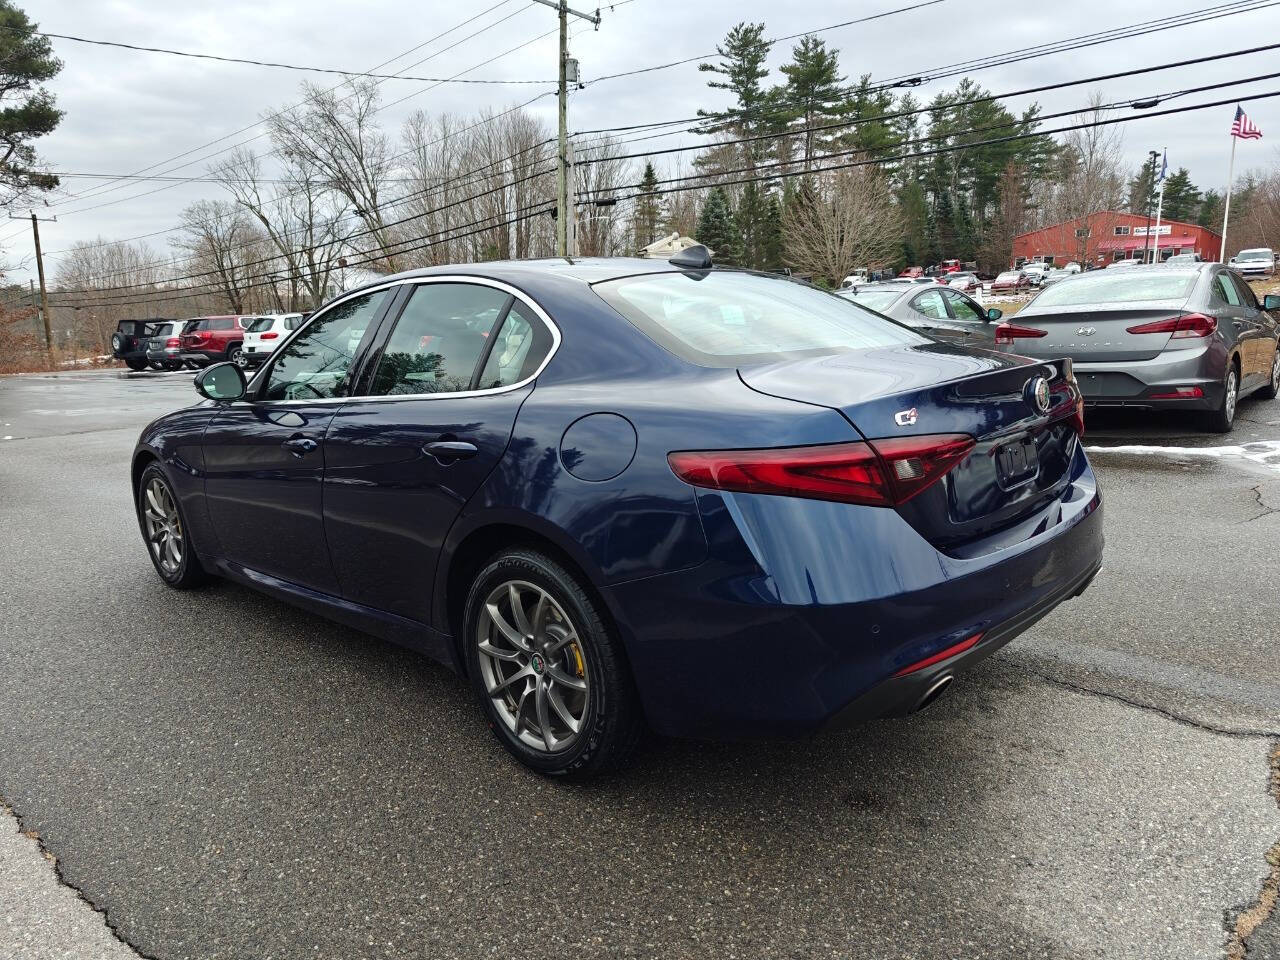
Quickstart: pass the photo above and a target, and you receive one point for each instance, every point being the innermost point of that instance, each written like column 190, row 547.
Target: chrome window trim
column 419, row 281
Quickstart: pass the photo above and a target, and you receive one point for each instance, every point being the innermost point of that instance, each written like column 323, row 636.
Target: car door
column 968, row 316
column 929, row 313
column 264, row 456
column 1262, row 335
column 1237, row 323
column 438, row 403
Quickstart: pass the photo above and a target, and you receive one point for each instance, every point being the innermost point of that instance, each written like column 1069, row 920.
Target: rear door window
column 439, row 339
column 1245, row 291
column 931, row 305
column 518, row 349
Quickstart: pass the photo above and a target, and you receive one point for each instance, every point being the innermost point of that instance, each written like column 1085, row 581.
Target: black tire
column 155, row 364
column 1272, row 389
column 612, row 723
column 188, row 572
column 174, row 365
column 1223, row 419
column 136, row 363
column 233, row 353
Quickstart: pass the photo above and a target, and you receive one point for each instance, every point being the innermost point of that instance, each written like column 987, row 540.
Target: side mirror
column 1271, row 301
column 994, row 314
column 1232, row 260
column 222, row 381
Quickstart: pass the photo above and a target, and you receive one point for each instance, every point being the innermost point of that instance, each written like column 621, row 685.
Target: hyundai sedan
column 623, row 493
column 1191, row 338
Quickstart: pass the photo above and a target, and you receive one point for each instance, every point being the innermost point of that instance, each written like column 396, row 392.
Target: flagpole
column 1226, row 211
column 1155, row 245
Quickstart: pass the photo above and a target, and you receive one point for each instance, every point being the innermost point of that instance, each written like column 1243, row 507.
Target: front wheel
column 165, row 531
column 135, row 363
column 549, row 672
column 1224, row 418
column 1272, row 389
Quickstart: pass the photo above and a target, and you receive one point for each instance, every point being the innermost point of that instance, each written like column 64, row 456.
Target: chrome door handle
column 447, row 451
column 299, row 446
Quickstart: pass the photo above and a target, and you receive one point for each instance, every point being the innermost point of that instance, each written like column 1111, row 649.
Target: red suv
column 207, row 340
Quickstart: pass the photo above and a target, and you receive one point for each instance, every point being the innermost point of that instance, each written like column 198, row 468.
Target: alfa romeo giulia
column 619, row 494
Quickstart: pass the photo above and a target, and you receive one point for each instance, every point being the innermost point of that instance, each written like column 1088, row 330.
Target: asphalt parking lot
column 220, row 775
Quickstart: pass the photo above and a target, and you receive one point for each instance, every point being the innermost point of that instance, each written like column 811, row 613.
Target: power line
column 264, row 63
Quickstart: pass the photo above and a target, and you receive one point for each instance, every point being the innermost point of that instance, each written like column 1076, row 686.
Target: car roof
column 583, row 269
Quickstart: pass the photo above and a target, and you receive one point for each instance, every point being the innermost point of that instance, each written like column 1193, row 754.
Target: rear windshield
column 163, row 329
column 260, row 324
column 876, row 300
column 1099, row 287
column 723, row 319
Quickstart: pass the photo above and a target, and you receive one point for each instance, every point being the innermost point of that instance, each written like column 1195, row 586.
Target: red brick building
column 1111, row 235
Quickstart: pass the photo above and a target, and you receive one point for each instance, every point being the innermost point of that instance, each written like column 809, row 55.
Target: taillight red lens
column 1178, row 328
column 173, row 342
column 951, row 651
column 1009, row 332
column 882, row 473
column 269, row 336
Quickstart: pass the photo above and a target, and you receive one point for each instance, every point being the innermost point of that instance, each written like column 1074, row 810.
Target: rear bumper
column 1133, row 383
column 804, row 612
column 199, row 358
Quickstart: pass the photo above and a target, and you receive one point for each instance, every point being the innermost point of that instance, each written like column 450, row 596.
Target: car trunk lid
column 1021, row 460
column 1095, row 333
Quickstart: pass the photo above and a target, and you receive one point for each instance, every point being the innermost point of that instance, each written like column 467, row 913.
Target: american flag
column 1243, row 128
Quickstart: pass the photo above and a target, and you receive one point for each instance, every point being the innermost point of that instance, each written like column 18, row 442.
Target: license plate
column 1017, row 461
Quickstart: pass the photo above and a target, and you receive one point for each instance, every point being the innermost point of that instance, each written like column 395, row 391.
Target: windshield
column 877, row 300
column 1262, row 254
column 723, row 319
column 1115, row 288
column 1008, row 275
column 260, row 324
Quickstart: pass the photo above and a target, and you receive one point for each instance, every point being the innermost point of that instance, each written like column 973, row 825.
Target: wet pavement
column 221, row 775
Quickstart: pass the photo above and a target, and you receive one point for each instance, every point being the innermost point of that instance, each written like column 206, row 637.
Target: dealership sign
column 1163, row 230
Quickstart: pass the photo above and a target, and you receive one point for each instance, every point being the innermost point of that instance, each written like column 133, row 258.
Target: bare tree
column 301, row 216
column 841, row 220
column 599, row 223
column 334, row 134
column 224, row 248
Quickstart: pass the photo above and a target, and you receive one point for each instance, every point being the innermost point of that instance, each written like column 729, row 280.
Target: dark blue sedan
column 619, row 493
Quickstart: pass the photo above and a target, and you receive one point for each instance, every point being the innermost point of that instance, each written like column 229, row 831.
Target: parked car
column 1036, row 272
column 968, row 282
column 164, row 346
column 912, row 272
column 1260, row 262
column 1011, row 281
column 1054, row 275
column 1190, row 338
column 1071, row 267
column 129, row 342
column 210, row 339
column 949, row 266
column 1183, row 259
column 263, row 334
column 721, row 503
column 941, row 312
column 1125, row 264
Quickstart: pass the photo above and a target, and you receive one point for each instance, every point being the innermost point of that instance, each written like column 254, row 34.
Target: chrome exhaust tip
column 938, row 688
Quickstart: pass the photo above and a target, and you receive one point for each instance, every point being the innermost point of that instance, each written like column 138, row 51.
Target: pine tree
column 648, row 211
column 718, row 229
column 1181, row 196
column 813, row 93
column 1142, row 189
column 742, row 57
column 1210, row 212
column 27, row 111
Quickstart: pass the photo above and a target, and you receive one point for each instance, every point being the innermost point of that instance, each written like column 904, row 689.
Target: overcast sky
column 127, row 110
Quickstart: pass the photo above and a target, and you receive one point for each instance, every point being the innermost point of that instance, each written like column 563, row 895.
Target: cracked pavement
column 220, row 775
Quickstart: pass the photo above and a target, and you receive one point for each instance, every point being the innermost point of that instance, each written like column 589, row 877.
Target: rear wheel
column 234, row 352
column 1272, row 389
column 136, row 363
column 165, row 531
column 549, row 672
column 1222, row 419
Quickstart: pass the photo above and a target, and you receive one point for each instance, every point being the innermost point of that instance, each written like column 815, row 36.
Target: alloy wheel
column 1229, row 402
column 532, row 666
column 1275, row 372
column 164, row 527
column 240, row 360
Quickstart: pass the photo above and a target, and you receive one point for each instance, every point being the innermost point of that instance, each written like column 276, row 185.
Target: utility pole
column 44, row 293
column 1146, row 240
column 564, row 208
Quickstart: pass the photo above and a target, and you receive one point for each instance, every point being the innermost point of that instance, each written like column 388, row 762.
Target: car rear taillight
column 1178, row 393
column 1187, row 325
column 1009, row 332
column 879, row 473
column 173, row 342
column 952, row 651
column 268, row 336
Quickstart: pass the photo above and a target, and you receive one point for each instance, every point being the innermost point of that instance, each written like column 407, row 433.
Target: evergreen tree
column 813, row 94
column 741, row 64
column 27, row 110
column 1210, row 213
column 648, row 212
column 718, row 229
column 1142, row 189
column 1181, row 196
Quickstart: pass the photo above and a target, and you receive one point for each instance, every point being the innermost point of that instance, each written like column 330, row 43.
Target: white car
column 1259, row 262
column 263, row 335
